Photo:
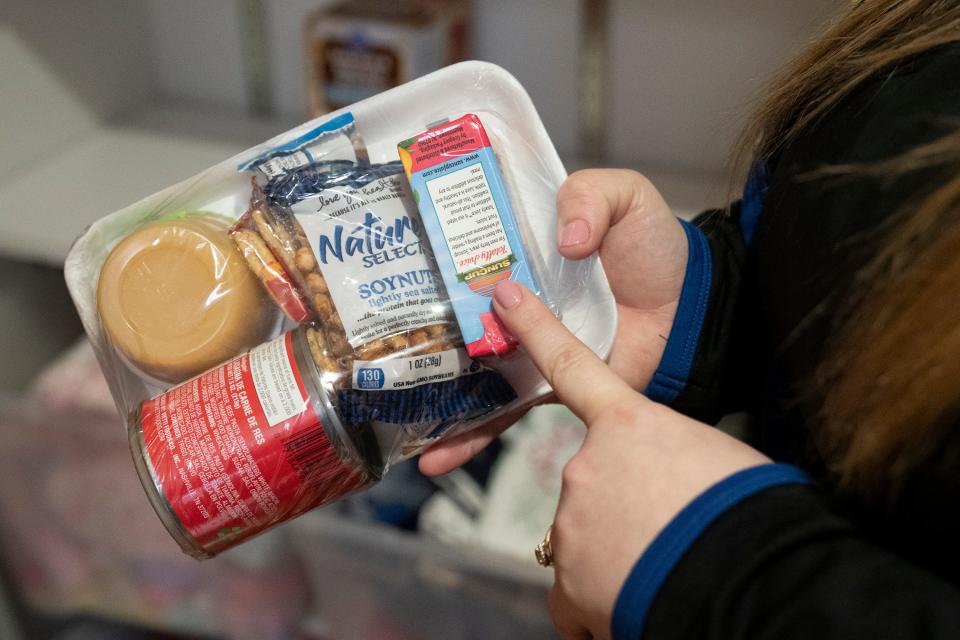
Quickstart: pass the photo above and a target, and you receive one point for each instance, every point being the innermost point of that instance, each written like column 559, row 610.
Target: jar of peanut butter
column 175, row 298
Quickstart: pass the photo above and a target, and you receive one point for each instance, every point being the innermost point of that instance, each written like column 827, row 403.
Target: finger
column 447, row 455
column 581, row 380
column 591, row 201
column 564, row 617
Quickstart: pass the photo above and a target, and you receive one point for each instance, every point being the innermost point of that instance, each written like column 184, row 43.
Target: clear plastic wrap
column 373, row 238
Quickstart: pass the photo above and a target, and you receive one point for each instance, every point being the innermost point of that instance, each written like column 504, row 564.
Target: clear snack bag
column 281, row 328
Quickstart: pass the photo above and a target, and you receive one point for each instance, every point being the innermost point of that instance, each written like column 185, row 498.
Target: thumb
column 592, row 201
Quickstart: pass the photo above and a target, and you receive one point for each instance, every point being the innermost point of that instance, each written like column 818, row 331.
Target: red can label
column 240, row 448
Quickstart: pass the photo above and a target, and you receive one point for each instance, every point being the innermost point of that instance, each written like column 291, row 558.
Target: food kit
column 281, row 328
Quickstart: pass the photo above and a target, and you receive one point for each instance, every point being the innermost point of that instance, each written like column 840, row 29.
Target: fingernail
column 508, row 294
column 574, row 233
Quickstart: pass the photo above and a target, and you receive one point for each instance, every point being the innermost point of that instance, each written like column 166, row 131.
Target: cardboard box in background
column 359, row 48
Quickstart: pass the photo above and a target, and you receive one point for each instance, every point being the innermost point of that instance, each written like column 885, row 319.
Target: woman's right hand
column 643, row 249
column 644, row 253
column 640, row 465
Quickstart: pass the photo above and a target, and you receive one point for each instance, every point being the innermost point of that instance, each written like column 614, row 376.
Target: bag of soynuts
column 277, row 330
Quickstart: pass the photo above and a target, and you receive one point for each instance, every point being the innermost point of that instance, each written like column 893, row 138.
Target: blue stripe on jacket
column 754, row 196
column 671, row 375
column 656, row 563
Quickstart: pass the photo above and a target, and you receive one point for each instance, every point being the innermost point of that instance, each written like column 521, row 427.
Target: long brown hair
column 890, row 384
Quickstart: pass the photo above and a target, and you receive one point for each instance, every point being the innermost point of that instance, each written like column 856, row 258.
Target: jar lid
column 176, row 298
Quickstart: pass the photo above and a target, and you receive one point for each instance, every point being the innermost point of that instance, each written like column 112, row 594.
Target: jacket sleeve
column 710, row 363
column 718, row 348
column 789, row 568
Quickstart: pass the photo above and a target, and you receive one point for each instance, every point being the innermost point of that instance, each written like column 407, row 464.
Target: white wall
column 99, row 49
column 196, row 52
column 536, row 40
column 683, row 73
column 686, row 73
column 287, row 64
column 64, row 70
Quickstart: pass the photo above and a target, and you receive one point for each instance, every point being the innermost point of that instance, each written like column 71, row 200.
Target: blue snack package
column 384, row 315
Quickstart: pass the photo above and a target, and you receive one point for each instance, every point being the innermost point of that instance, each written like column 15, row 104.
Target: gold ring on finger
column 544, row 550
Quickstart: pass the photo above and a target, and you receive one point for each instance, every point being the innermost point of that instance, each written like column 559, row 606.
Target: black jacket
column 791, row 561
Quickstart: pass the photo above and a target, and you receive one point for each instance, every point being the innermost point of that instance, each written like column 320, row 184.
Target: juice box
column 470, row 223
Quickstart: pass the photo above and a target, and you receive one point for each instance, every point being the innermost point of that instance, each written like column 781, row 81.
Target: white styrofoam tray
column 530, row 164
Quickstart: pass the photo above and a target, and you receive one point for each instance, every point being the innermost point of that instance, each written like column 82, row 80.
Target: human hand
column 641, row 463
column 643, row 249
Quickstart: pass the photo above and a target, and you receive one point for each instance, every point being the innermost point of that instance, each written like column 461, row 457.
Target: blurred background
column 103, row 102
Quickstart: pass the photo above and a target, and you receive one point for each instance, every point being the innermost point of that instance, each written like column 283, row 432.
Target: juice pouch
column 470, row 223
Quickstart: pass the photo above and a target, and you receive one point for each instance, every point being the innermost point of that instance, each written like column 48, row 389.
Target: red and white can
column 247, row 445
